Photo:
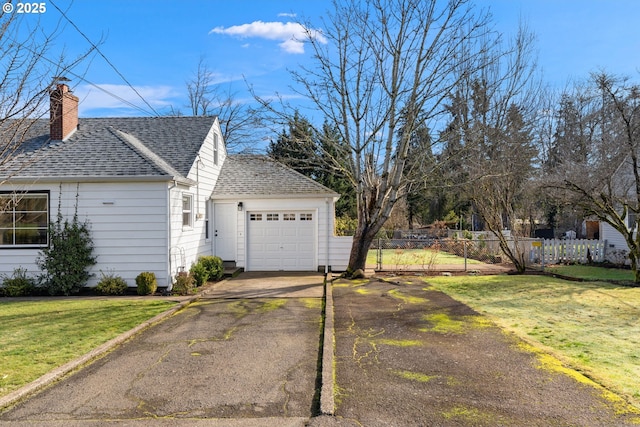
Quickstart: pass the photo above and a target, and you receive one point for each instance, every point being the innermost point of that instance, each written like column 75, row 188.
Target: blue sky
column 157, row 44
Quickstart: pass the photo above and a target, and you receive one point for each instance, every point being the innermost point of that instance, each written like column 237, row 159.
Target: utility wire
column 82, row 78
column 105, row 58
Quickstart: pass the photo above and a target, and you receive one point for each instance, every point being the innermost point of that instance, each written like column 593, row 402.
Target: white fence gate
column 554, row 251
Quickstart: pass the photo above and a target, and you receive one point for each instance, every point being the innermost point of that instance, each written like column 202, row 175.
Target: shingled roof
column 261, row 176
column 161, row 147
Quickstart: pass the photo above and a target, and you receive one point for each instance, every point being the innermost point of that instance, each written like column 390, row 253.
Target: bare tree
column 387, row 64
column 240, row 123
column 28, row 72
column 494, row 111
column 606, row 182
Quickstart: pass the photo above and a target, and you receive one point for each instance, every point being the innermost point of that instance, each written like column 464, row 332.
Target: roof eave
column 237, row 196
column 97, row 179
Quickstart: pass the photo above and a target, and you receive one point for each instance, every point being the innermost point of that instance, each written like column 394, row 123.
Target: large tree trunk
column 360, row 248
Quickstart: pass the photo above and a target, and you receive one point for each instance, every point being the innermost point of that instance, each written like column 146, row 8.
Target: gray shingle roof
column 260, row 176
column 112, row 147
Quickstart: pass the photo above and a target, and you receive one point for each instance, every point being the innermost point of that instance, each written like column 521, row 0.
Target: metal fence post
column 465, row 254
column 379, row 254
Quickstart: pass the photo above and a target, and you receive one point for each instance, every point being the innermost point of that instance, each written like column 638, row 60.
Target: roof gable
column 263, row 177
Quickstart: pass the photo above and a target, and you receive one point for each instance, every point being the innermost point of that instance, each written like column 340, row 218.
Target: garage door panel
column 289, row 231
column 281, row 241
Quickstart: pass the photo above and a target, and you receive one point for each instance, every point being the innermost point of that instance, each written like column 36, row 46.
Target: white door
column 224, row 230
column 284, row 240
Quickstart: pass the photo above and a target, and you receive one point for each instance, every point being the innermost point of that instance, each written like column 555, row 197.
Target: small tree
column 67, row 260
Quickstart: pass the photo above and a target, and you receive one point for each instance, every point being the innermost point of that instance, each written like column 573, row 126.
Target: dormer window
column 215, row 149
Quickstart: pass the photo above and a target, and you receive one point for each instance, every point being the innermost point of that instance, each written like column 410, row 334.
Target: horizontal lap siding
column 128, row 224
column 130, row 235
column 338, row 247
column 192, row 241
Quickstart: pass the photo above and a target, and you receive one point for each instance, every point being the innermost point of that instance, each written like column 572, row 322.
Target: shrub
column 345, row 225
column 199, row 273
column 19, row 284
column 110, row 284
column 146, row 283
column 67, row 260
column 183, row 285
column 213, row 265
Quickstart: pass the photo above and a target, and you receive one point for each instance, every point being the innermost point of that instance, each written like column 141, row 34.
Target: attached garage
column 281, row 240
column 269, row 217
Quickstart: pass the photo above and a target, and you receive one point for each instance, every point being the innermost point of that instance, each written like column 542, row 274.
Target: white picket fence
column 554, row 251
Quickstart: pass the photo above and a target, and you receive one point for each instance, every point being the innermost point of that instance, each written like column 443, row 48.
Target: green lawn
column 593, row 326
column 591, row 273
column 416, row 257
column 38, row 336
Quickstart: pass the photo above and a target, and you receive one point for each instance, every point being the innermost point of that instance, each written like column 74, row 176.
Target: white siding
column 614, row 241
column 192, row 241
column 128, row 224
column 612, row 237
column 339, row 250
column 339, row 247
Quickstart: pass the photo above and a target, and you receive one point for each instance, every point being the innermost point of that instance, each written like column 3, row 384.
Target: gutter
column 326, row 252
column 97, row 179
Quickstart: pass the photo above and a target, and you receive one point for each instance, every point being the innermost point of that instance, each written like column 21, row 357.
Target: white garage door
column 281, row 241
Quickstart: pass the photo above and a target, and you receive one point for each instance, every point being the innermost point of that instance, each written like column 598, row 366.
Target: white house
column 159, row 192
column 622, row 192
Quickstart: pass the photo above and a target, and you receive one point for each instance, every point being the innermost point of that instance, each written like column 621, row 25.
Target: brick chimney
column 63, row 111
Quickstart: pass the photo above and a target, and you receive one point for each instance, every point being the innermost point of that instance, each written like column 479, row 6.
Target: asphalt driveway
column 408, row 355
column 246, row 353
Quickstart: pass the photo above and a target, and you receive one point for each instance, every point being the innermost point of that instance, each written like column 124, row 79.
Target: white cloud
column 119, row 97
column 292, row 35
column 287, row 15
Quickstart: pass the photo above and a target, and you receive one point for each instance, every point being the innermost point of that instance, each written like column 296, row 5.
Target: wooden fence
column 554, row 251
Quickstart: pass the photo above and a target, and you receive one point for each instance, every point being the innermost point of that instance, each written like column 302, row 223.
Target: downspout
column 170, row 281
column 326, row 261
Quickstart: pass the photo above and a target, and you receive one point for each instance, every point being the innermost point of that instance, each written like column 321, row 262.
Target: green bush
column 146, row 283
column 184, row 284
column 213, row 265
column 19, row 284
column 199, row 273
column 110, row 284
column 345, row 225
column 69, row 256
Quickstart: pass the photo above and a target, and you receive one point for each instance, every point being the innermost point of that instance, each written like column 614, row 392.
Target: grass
column 593, row 326
column 417, row 257
column 589, row 272
column 38, row 336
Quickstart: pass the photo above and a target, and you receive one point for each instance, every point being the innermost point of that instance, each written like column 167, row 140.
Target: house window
column 255, row 217
column 306, row 217
column 24, row 220
column 207, row 214
column 187, row 210
column 215, row 149
column 631, row 219
column 272, row 217
column 289, row 217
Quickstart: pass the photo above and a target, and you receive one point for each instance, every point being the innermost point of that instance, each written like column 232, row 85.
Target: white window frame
column 215, row 149
column 187, row 210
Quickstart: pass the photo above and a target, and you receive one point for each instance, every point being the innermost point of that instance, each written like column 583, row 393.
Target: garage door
column 281, row 241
